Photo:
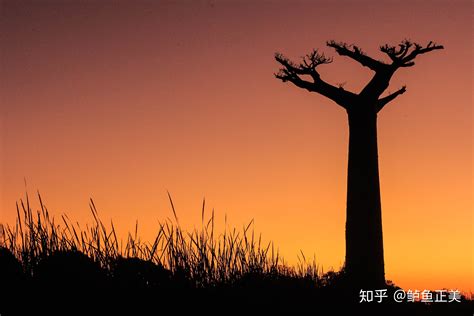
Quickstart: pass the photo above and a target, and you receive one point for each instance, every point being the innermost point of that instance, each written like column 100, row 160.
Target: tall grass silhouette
column 43, row 259
column 203, row 256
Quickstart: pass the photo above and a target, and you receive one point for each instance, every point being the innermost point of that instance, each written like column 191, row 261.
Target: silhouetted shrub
column 70, row 271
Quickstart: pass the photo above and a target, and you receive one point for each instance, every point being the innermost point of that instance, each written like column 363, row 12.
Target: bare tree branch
column 292, row 72
column 394, row 53
column 383, row 101
column 402, row 55
column 406, row 52
column 357, row 54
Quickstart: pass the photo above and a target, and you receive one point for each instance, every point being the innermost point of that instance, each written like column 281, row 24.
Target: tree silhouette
column 364, row 262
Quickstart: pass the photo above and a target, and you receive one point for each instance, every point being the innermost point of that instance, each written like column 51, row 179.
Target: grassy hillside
column 45, row 263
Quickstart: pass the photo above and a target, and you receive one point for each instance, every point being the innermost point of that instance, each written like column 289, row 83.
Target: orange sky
column 121, row 102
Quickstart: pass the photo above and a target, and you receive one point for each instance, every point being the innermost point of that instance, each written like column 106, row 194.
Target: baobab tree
column 364, row 262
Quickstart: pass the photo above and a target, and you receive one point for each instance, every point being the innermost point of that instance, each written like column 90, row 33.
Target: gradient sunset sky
column 123, row 100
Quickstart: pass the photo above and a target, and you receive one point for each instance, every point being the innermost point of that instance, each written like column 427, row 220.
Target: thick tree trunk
column 364, row 244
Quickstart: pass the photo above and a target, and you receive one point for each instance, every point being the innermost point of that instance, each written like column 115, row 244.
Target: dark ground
column 70, row 283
